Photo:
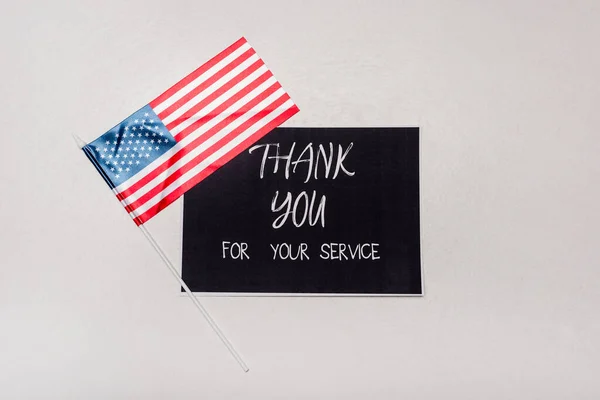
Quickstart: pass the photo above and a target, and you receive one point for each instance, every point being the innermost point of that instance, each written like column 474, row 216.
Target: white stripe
column 199, row 132
column 200, row 149
column 201, row 78
column 214, row 157
column 222, row 99
column 209, row 90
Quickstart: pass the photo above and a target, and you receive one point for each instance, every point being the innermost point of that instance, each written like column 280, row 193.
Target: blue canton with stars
column 130, row 146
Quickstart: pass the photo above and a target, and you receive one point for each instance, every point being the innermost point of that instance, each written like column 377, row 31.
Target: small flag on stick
column 165, row 148
column 168, row 146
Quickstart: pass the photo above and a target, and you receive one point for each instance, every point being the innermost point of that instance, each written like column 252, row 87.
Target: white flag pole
column 198, row 305
column 175, row 273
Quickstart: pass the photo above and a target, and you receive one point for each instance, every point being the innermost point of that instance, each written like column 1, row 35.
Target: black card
column 309, row 211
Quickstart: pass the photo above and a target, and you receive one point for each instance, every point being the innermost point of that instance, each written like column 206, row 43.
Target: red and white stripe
column 214, row 113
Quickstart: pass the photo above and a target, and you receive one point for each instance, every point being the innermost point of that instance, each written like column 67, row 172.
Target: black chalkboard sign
column 309, row 211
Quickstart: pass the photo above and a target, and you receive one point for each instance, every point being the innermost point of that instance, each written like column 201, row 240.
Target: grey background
column 506, row 93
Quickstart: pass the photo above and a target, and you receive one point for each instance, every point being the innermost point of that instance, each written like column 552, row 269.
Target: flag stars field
column 115, row 148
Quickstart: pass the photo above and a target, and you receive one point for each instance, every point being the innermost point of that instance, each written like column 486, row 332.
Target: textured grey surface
column 506, row 94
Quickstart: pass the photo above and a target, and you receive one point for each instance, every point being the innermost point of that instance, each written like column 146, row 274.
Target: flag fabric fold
column 168, row 146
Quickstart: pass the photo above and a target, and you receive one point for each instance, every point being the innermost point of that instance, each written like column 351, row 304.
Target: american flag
column 185, row 134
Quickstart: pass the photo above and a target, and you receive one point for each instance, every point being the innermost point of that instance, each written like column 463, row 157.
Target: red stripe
column 196, row 142
column 216, row 94
column 216, row 165
column 174, row 175
column 199, row 71
column 200, row 88
column 223, row 107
